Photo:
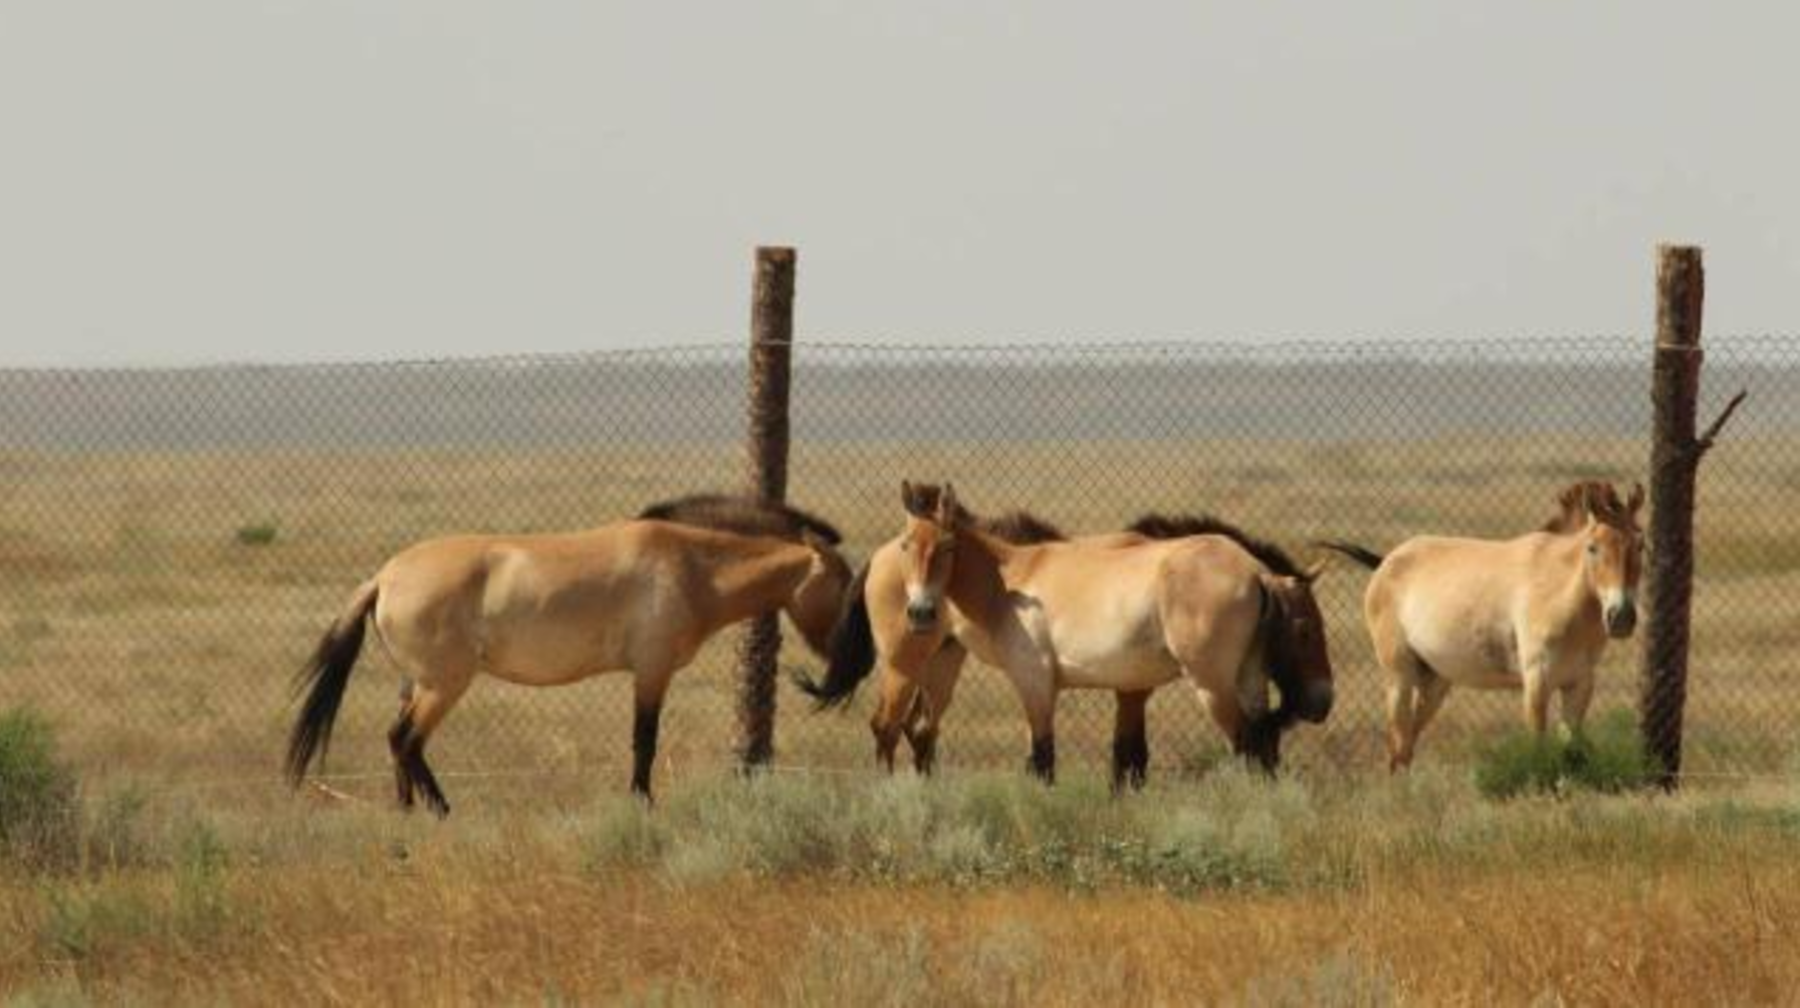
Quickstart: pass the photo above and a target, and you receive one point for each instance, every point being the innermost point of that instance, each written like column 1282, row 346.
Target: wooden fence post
column 771, row 355
column 1675, row 455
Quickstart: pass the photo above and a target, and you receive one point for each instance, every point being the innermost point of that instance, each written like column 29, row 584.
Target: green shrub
column 258, row 534
column 979, row 830
column 39, row 804
column 1609, row 758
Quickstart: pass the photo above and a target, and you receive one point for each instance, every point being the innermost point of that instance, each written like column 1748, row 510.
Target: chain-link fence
column 172, row 542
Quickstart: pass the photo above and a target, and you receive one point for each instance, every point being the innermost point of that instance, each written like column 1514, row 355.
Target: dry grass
column 1411, row 891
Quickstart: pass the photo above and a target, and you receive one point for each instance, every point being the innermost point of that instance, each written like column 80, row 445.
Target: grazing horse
column 1531, row 613
column 542, row 610
column 1120, row 612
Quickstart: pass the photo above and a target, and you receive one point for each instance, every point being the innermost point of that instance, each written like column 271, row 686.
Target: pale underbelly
column 547, row 675
column 552, row 659
column 1473, row 668
column 1139, row 671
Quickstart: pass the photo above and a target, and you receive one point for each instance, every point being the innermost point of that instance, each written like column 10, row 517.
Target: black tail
column 851, row 650
column 1367, row 557
column 327, row 674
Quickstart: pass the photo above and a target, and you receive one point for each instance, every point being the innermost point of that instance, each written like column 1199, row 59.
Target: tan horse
column 1530, row 614
column 927, row 698
column 542, row 610
column 1116, row 612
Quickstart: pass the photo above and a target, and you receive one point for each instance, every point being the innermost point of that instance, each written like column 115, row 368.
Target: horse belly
column 550, row 652
column 1106, row 658
column 556, row 636
column 1474, row 656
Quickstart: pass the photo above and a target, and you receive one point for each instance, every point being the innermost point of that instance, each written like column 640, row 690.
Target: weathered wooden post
column 771, row 357
column 1675, row 455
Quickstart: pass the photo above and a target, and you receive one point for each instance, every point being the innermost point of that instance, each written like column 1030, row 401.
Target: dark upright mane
column 1161, row 526
column 1578, row 499
column 742, row 515
column 1021, row 528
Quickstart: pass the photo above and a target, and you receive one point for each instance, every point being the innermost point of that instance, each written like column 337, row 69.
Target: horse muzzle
column 921, row 617
column 1313, row 705
column 1621, row 620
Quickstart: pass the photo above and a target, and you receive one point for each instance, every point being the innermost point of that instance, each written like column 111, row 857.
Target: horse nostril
column 922, row 614
column 1621, row 620
column 1318, row 702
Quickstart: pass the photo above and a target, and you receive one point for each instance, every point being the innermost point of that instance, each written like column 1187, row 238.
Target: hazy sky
column 188, row 181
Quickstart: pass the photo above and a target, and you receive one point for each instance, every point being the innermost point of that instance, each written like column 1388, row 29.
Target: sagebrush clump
column 40, row 809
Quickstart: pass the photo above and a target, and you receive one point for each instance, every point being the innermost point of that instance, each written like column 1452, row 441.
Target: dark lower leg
column 399, row 741
column 1043, row 758
column 924, row 745
column 1260, row 743
column 887, row 739
column 643, row 747
column 1131, row 745
column 1131, row 761
column 426, row 780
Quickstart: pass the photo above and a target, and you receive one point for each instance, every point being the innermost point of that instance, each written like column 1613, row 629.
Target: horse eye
column 1593, row 549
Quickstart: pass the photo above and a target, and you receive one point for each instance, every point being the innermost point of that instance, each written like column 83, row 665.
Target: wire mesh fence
column 172, row 542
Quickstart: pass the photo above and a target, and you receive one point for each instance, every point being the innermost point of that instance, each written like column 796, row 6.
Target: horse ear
column 909, row 497
column 947, row 505
column 1636, row 502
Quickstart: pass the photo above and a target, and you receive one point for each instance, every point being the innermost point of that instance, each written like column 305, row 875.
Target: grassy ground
column 155, row 604
column 973, row 889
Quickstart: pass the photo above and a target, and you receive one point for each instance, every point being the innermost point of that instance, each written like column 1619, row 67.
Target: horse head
column 1294, row 644
column 1612, row 547
column 928, row 550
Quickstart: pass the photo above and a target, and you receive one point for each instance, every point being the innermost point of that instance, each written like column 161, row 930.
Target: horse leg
column 1414, row 693
column 1238, row 729
column 1536, row 694
column 1131, row 743
column 423, row 713
column 648, row 690
column 1433, row 688
column 1575, row 699
column 1035, row 685
column 1403, row 726
column 935, row 692
column 893, row 708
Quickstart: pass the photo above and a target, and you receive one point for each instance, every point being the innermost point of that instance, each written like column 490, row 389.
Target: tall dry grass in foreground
column 984, row 889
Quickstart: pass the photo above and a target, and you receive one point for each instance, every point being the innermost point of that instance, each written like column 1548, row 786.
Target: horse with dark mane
column 639, row 596
column 1228, row 611
column 926, row 696
column 1532, row 613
